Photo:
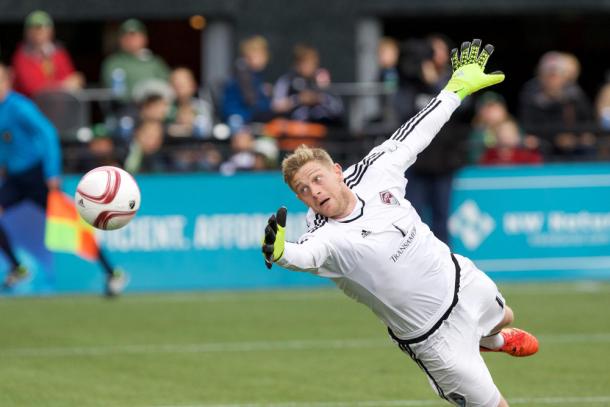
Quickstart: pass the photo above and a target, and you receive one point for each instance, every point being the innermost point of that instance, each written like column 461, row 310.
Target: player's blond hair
column 301, row 156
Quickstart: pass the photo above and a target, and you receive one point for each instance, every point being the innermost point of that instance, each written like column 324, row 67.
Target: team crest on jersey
column 7, row 137
column 365, row 233
column 387, row 198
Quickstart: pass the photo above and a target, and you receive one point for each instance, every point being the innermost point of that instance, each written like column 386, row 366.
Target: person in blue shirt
column 30, row 165
column 246, row 97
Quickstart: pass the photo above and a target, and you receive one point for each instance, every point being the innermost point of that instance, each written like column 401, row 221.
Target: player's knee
column 509, row 316
column 503, row 403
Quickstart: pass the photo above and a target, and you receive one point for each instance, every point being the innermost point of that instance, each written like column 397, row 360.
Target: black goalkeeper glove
column 273, row 242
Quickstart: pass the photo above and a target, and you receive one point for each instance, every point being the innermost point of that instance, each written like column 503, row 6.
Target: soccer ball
column 107, row 197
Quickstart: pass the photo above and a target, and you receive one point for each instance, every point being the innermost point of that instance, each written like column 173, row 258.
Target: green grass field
column 278, row 348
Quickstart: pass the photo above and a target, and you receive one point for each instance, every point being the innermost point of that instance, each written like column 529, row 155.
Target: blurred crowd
column 157, row 118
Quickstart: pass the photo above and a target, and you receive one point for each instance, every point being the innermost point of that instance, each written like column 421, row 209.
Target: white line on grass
column 317, row 294
column 324, row 294
column 199, row 348
column 406, row 403
column 331, row 294
column 260, row 346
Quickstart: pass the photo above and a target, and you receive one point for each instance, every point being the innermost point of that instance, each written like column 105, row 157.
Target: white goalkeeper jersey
column 382, row 254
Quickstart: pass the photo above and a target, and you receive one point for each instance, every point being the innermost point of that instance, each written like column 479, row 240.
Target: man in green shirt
column 134, row 67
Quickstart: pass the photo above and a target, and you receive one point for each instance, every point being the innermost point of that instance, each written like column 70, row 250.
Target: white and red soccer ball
column 107, row 197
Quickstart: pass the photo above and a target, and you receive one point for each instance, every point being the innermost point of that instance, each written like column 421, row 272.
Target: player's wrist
column 280, row 240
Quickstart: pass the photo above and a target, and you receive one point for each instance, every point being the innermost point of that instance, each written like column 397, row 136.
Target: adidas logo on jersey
column 365, row 233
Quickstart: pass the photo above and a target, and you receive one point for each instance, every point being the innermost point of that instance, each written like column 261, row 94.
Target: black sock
column 7, row 249
column 104, row 262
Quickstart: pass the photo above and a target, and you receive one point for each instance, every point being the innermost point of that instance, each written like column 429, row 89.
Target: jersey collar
column 356, row 213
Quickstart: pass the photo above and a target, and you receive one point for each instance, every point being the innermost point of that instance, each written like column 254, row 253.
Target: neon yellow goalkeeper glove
column 273, row 242
column 468, row 67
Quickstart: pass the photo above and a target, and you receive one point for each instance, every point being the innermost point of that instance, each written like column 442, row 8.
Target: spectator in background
column 206, row 157
column 602, row 113
column 490, row 110
column 154, row 107
column 302, row 93
column 133, row 66
column 145, row 153
column 388, row 52
column 243, row 156
column 100, row 151
column 189, row 115
column 40, row 63
column 572, row 67
column 150, row 107
column 247, row 98
column 602, row 108
column 553, row 107
column 425, row 69
column 509, row 148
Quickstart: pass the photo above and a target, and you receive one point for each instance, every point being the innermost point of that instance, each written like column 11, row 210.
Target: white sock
column 493, row 342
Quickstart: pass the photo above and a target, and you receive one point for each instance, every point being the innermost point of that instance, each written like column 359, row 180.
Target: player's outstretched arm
column 274, row 240
column 468, row 77
column 308, row 255
column 468, row 69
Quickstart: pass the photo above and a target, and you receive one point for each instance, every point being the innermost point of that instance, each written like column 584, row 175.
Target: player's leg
column 494, row 318
column 10, row 195
column 494, row 340
column 27, row 185
column 451, row 360
column 116, row 279
column 514, row 341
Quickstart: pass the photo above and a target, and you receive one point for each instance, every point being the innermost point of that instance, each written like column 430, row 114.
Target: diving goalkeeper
column 439, row 308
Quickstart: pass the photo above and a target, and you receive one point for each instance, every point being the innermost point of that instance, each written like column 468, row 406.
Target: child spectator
column 509, row 148
column 302, row 93
column 388, row 52
column 243, row 156
column 247, row 98
column 189, row 115
column 491, row 110
column 145, row 154
column 100, row 151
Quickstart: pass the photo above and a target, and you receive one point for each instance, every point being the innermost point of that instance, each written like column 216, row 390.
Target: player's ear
column 338, row 170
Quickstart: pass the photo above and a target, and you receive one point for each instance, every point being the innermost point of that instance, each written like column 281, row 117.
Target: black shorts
column 29, row 184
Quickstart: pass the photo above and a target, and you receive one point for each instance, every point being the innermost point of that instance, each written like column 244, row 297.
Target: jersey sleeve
column 400, row 151
column 308, row 254
column 43, row 133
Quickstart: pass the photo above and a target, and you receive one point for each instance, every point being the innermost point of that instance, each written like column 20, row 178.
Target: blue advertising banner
column 199, row 231
column 203, row 231
column 539, row 222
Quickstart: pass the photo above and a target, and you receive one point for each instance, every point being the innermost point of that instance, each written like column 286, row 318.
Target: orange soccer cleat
column 517, row 342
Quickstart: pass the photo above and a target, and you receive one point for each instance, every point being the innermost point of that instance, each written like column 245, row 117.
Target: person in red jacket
column 40, row 63
column 510, row 148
